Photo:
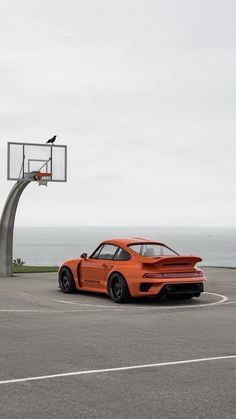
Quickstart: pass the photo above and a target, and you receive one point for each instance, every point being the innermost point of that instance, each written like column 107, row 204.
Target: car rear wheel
column 118, row 289
column 66, row 281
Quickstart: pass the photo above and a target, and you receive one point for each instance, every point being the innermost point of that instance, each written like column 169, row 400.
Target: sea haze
column 52, row 245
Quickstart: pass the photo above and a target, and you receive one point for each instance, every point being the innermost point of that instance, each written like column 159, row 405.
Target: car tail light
column 195, row 274
column 200, row 273
column 153, row 276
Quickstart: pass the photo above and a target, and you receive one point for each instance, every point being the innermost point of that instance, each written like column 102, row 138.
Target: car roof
column 128, row 240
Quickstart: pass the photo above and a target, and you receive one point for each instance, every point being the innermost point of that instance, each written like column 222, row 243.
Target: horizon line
column 125, row 226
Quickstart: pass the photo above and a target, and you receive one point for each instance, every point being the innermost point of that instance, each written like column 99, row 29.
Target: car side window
column 121, row 254
column 107, row 251
column 96, row 253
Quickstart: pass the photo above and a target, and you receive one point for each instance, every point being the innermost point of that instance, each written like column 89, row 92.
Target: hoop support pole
column 7, row 227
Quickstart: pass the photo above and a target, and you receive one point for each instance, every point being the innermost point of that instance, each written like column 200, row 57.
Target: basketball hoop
column 42, row 178
column 26, row 163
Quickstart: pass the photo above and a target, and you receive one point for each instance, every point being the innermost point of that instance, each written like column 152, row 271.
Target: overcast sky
column 142, row 92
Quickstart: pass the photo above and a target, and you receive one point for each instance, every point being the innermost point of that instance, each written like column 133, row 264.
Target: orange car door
column 94, row 271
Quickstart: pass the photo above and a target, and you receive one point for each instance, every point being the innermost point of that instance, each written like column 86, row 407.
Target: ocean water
column 51, row 245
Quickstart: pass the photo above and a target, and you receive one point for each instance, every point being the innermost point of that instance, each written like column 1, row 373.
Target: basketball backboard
column 24, row 159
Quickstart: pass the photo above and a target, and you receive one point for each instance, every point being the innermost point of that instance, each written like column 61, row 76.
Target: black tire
column 118, row 289
column 66, row 281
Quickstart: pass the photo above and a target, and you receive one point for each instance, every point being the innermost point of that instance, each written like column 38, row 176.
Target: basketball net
column 43, row 180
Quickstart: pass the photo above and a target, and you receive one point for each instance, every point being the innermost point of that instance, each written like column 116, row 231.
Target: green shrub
column 18, row 262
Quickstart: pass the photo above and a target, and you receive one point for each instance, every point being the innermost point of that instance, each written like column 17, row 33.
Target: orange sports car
column 133, row 267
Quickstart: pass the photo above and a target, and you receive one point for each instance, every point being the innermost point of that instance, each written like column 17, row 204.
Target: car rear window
column 152, row 250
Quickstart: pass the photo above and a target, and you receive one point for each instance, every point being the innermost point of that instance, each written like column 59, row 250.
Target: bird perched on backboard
column 51, row 140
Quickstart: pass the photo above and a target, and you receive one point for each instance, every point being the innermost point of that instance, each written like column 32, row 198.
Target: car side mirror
column 84, row 255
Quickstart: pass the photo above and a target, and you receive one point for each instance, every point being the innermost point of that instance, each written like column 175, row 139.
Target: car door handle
column 106, row 266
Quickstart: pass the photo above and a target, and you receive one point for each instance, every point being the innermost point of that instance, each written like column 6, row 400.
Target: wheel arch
column 119, row 273
column 72, row 273
column 67, row 267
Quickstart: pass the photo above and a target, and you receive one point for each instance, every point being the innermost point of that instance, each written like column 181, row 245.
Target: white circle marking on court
column 96, row 307
column 222, row 300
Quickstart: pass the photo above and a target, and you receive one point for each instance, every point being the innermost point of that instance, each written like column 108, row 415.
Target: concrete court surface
column 45, row 332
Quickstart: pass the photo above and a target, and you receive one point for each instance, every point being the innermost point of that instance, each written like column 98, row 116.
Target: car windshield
column 152, row 250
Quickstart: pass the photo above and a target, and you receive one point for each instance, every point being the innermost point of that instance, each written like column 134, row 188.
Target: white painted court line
column 106, row 370
column 223, row 299
column 230, row 302
column 96, row 307
column 48, row 311
column 222, row 303
column 84, row 304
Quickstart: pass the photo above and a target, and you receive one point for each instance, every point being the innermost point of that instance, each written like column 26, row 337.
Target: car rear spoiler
column 169, row 261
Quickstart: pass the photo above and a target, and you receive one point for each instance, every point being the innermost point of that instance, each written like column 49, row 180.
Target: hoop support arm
column 7, row 227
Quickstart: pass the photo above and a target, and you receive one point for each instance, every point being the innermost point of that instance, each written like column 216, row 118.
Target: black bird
column 52, row 140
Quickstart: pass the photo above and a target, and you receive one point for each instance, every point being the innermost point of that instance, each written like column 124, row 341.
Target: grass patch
column 33, row 269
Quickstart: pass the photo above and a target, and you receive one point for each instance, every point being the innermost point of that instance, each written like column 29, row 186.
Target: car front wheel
column 66, row 281
column 118, row 289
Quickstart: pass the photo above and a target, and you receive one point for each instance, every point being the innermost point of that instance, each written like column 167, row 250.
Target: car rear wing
column 171, row 261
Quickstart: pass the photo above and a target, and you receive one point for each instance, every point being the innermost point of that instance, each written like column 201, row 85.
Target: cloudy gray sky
column 142, row 92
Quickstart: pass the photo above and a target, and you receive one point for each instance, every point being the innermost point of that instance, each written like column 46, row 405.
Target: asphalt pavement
column 83, row 356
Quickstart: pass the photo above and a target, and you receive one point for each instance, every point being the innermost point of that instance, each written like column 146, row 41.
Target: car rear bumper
column 145, row 287
column 180, row 289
